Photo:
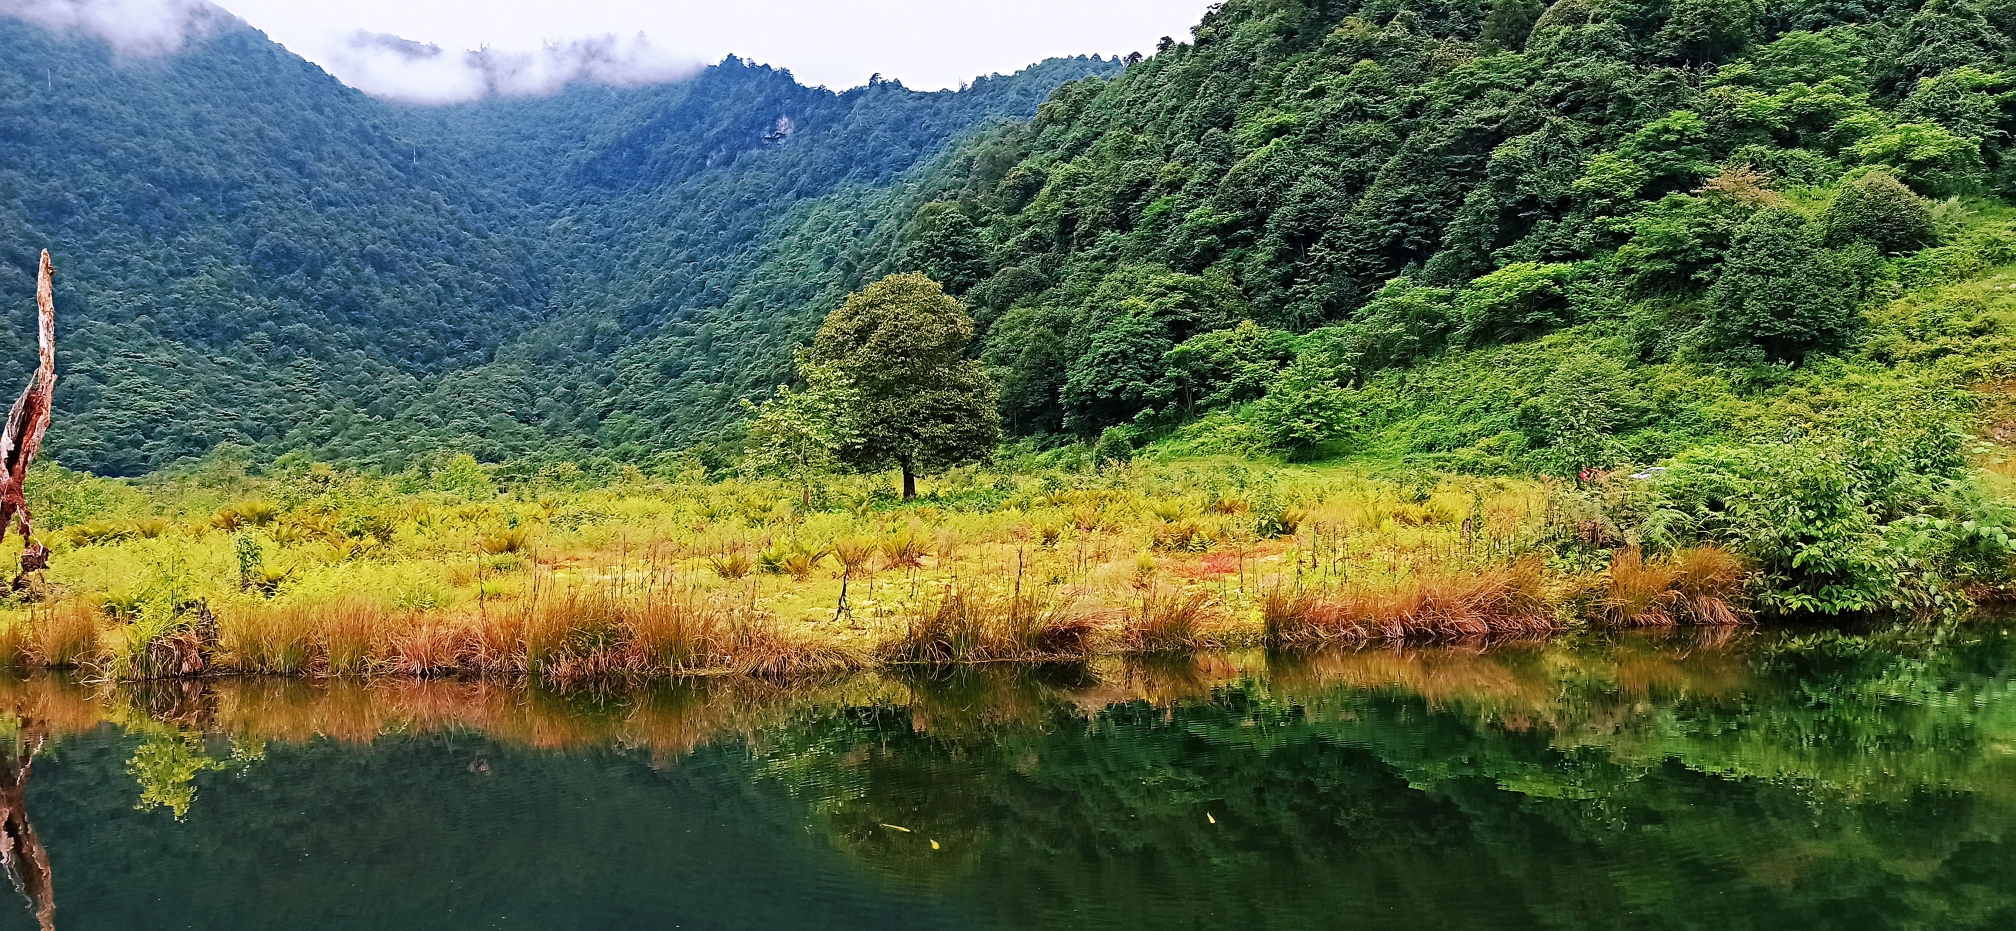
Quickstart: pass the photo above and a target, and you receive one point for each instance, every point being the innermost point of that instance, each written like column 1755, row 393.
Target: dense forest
column 254, row 254
column 1373, row 184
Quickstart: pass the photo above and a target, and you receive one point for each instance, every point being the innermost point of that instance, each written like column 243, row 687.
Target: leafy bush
column 1116, row 444
column 1878, row 514
column 1224, row 366
column 1303, row 409
column 1781, row 296
column 1402, row 323
column 1933, row 159
column 1521, row 300
column 1877, row 209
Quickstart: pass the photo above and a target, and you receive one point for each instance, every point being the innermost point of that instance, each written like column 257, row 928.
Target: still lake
column 1758, row 779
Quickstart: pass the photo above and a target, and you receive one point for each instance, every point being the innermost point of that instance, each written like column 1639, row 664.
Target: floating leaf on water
column 897, row 827
column 934, row 845
column 1207, row 817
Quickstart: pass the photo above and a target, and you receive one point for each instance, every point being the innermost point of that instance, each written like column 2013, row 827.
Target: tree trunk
column 909, row 482
column 27, row 423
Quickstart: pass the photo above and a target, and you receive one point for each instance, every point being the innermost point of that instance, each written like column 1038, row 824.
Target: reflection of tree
column 165, row 765
column 21, row 851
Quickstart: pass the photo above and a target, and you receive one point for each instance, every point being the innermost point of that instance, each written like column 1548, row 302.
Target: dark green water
column 1768, row 782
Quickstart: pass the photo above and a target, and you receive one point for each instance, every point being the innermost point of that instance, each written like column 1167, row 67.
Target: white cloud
column 534, row 46
column 926, row 44
column 390, row 66
column 139, row 26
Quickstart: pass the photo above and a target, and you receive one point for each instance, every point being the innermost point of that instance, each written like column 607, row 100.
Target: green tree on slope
column 1781, row 295
column 917, row 402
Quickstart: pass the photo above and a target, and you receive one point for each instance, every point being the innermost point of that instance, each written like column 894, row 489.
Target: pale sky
column 925, row 44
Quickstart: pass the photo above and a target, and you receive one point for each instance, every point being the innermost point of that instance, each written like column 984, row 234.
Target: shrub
column 1806, row 516
column 1781, row 296
column 1518, row 301
column 1230, row 366
column 1116, row 444
column 1402, row 323
column 1303, row 409
column 1677, row 243
column 1879, row 210
column 1933, row 159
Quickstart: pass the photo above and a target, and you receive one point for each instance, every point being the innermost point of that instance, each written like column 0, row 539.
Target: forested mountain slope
column 698, row 244
column 240, row 240
column 1333, row 218
column 1405, row 176
column 252, row 253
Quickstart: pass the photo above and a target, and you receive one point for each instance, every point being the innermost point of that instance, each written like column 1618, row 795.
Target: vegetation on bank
column 1869, row 481
column 565, row 574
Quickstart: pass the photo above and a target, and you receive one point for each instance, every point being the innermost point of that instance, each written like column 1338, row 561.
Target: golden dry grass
column 684, row 578
column 1436, row 603
column 1699, row 585
column 968, row 623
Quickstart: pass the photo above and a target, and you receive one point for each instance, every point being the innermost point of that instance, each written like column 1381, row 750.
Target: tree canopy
column 913, row 399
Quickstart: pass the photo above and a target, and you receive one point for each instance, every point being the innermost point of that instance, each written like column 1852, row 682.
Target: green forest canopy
column 252, row 253
column 1487, row 237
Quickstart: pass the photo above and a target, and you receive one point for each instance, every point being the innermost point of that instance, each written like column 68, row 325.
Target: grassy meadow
column 566, row 575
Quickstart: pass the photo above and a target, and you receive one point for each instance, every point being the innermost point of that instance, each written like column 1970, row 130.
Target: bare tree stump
column 26, row 425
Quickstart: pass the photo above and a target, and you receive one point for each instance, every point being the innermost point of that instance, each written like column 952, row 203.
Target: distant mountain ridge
column 252, row 253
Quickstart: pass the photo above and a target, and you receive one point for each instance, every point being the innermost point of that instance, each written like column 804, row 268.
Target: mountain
column 1317, row 217
column 251, row 253
column 1387, row 179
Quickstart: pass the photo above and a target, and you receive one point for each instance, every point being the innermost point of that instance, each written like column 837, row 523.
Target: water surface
column 1761, row 780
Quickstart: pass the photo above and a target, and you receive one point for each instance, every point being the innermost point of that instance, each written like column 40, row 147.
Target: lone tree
column 914, row 400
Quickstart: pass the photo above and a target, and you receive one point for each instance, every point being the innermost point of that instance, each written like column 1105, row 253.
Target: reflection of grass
column 1639, row 700
column 336, row 573
column 1528, row 680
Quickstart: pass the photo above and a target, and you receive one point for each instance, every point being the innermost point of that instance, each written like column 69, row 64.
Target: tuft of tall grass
column 1169, row 621
column 1699, row 585
column 757, row 647
column 1436, row 602
column 952, row 630
column 677, row 632
column 424, row 648
column 1638, row 592
column 971, row 624
column 62, row 634
column 1710, row 584
column 346, row 631
column 1047, row 626
column 267, row 639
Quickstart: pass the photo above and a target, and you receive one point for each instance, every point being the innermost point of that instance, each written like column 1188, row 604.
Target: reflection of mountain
column 1652, row 785
column 21, row 852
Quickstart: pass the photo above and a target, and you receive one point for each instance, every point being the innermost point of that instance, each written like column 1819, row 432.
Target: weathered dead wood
column 22, row 855
column 26, row 425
